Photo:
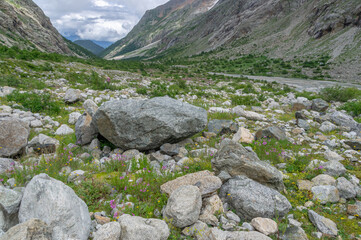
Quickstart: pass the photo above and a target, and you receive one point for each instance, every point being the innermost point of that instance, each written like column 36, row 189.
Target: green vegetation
column 34, row 102
column 341, row 94
column 353, row 108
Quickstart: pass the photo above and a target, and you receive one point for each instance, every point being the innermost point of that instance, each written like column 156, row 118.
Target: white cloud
column 101, row 20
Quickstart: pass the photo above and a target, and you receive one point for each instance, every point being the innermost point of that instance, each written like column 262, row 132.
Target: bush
column 354, row 108
column 340, row 94
column 245, row 100
column 36, row 103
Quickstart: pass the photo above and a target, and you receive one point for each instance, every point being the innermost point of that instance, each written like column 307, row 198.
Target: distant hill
column 90, row 46
column 24, row 24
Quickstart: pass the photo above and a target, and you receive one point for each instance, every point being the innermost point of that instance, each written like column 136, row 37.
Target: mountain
column 24, row 24
column 90, row 46
column 158, row 24
column 276, row 28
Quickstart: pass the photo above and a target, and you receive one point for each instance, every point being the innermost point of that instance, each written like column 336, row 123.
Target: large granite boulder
column 148, row 124
column 14, row 135
column 237, row 160
column 57, row 205
column 250, row 199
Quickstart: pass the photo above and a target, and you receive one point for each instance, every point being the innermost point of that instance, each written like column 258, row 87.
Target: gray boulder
column 85, row 130
column 323, row 224
column 34, row 229
column 343, row 120
column 9, row 208
column 90, row 107
column 43, row 144
column 271, row 132
column 294, row 233
column 303, row 124
column 148, row 124
column 222, row 126
column 72, row 95
column 325, row 194
column 184, row 206
column 237, row 160
column 64, row 130
column 346, row 188
column 334, row 168
column 56, row 204
column 251, row 199
column 108, row 231
column 135, row 228
column 319, row 105
column 14, row 135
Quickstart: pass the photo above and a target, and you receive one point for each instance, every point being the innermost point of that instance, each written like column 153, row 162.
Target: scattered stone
column 150, row 123
column 344, row 120
column 85, row 130
column 56, row 204
column 243, row 135
column 221, row 127
column 34, row 229
column 238, row 235
column 271, row 132
column 90, row 107
column 76, row 177
column 72, row 95
column 265, row 225
column 73, row 117
column 325, row 194
column 327, row 127
column 211, row 206
column 324, row 179
column 184, row 206
column 319, row 105
column 9, row 208
column 346, row 188
column 303, row 124
column 294, row 233
column 204, row 180
column 135, row 228
column 248, row 114
column 108, row 231
column 43, row 144
column 333, row 156
column 200, row 231
column 323, row 224
column 250, row 199
column 334, row 168
column 64, row 130
column 14, row 135
column 170, row 149
column 304, row 185
column 237, row 160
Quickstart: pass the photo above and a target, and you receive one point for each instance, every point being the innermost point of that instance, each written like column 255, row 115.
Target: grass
column 245, row 100
column 340, row 94
column 43, row 103
column 353, row 108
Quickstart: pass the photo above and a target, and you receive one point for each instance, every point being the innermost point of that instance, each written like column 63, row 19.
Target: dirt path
column 299, row 84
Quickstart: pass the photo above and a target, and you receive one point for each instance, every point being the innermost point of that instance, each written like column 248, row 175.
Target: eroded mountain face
column 24, row 24
column 274, row 26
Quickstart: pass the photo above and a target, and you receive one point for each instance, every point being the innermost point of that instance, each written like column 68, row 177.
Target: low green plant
column 353, row 108
column 37, row 103
column 245, row 100
column 340, row 94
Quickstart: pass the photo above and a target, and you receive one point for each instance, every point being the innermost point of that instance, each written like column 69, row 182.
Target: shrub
column 245, row 100
column 35, row 102
column 341, row 94
column 353, row 108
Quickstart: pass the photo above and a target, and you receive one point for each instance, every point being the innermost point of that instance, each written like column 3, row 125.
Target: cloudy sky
column 100, row 20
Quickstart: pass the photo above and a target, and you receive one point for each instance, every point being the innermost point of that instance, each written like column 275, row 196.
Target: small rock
column 323, row 224
column 265, row 225
column 64, row 130
column 325, row 194
column 108, row 231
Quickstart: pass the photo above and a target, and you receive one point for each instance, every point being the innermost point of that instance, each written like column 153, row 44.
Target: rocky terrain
column 94, row 153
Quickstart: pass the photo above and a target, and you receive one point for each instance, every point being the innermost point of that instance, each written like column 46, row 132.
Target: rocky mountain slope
column 159, row 23
column 23, row 24
column 276, row 28
column 90, row 46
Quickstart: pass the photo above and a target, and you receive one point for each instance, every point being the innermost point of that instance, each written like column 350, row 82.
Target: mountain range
column 287, row 29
